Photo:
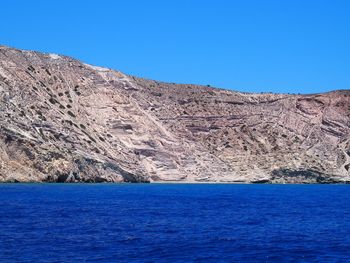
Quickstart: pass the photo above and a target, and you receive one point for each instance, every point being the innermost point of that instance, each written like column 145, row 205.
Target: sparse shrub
column 71, row 114
column 52, row 100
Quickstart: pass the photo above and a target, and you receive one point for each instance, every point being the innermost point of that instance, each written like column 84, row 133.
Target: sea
column 174, row 223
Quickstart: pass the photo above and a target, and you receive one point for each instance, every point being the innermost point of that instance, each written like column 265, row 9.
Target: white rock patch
column 54, row 56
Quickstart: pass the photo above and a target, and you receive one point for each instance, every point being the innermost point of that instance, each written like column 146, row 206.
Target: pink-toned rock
column 62, row 120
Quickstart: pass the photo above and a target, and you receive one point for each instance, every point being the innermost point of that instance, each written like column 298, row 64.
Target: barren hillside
column 65, row 121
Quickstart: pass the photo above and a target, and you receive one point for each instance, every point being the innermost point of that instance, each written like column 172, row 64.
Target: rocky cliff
column 65, row 121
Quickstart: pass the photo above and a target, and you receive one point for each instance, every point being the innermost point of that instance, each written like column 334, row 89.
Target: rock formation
column 65, row 121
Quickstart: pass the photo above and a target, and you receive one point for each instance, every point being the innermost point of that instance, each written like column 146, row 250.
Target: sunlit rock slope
column 65, row 121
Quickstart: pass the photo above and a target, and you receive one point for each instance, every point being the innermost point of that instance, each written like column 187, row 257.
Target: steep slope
column 62, row 120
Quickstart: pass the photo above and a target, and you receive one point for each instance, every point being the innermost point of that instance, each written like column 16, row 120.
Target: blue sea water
column 174, row 223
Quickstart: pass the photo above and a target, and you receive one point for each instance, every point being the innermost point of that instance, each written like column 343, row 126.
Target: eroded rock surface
column 65, row 121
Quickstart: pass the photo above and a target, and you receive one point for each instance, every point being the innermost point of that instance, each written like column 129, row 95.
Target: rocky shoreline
column 66, row 121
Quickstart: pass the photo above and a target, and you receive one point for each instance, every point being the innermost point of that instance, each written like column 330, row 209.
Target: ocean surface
column 174, row 223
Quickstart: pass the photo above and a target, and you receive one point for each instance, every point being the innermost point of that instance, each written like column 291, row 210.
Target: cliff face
column 65, row 121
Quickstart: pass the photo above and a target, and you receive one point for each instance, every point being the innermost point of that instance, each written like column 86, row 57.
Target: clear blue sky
column 295, row 46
